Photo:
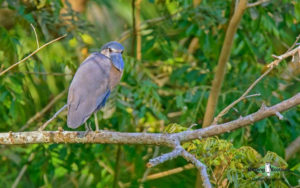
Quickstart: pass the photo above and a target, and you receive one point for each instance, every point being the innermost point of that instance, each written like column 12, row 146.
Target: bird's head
column 113, row 50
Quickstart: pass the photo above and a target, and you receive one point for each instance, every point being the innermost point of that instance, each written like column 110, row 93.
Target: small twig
column 283, row 56
column 256, row 3
column 27, row 57
column 53, row 117
column 294, row 44
column 165, row 157
column 23, row 170
column 279, row 115
column 44, row 110
column 253, row 95
column 169, row 172
column 145, row 176
column 117, row 166
column 126, row 34
column 49, row 73
column 292, row 148
column 225, row 110
column 36, row 37
column 191, row 126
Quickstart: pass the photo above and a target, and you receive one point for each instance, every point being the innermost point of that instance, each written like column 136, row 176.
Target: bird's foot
column 98, row 131
column 87, row 129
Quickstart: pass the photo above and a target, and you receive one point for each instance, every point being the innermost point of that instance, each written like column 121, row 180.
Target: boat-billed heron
column 93, row 81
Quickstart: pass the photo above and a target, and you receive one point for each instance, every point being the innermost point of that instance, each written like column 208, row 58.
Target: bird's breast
column 114, row 77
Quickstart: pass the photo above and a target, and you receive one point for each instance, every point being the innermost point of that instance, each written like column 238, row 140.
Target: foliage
column 170, row 85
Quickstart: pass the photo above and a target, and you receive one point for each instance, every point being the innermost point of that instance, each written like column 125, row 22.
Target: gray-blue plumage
column 93, row 82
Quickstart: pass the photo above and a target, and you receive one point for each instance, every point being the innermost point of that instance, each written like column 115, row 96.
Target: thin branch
column 27, row 57
column 44, row 110
column 145, row 176
column 271, row 66
column 223, row 59
column 36, row 37
column 280, row 58
column 169, row 172
column 294, row 44
column 179, row 151
column 262, row 113
column 200, row 166
column 256, row 3
column 138, row 30
column 126, row 34
column 279, row 115
column 49, row 73
column 292, row 148
column 53, row 117
column 117, row 166
column 133, row 41
column 23, row 170
column 165, row 157
column 225, row 110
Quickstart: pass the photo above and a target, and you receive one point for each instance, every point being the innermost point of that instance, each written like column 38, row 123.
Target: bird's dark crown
column 113, row 45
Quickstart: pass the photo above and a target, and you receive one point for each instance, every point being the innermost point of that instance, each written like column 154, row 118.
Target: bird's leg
column 96, row 122
column 87, row 128
column 90, row 128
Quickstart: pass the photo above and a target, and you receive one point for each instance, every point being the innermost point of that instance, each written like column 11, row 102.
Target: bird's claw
column 87, row 129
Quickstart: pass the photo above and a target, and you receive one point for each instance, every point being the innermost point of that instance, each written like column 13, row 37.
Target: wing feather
column 88, row 89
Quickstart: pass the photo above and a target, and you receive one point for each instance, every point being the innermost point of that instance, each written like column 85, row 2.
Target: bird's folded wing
column 88, row 89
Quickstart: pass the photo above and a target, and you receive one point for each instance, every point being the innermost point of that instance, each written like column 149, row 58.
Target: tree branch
column 44, row 110
column 292, row 148
column 169, row 172
column 271, row 66
column 200, row 166
column 138, row 30
column 53, row 117
column 180, row 151
column 256, row 3
column 27, row 57
column 221, row 68
column 165, row 157
column 170, row 140
column 110, row 137
column 262, row 113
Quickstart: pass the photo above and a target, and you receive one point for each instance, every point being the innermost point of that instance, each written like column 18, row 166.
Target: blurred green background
column 164, row 91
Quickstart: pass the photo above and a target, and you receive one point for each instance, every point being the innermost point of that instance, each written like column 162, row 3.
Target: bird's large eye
column 110, row 50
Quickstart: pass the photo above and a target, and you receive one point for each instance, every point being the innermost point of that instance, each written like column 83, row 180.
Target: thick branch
column 109, row 137
column 104, row 137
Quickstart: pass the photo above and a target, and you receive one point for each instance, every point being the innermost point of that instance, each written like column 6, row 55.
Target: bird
column 93, row 82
